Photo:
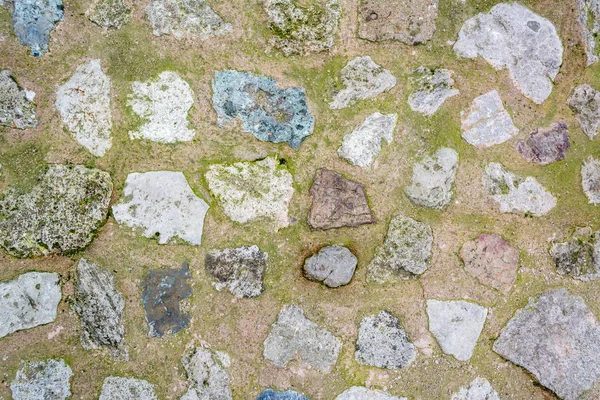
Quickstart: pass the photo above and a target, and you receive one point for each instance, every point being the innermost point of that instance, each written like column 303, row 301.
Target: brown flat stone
column 546, row 145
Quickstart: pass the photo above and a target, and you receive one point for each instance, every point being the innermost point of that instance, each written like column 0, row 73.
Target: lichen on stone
column 34, row 20
column 17, row 109
column 185, row 18
column 109, row 14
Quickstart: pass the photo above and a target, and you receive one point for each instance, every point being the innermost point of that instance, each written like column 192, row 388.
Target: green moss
column 24, row 164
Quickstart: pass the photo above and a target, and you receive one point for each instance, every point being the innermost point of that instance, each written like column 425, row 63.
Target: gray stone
column 556, row 338
column 33, row 20
column 432, row 179
column 185, row 18
column 405, row 252
column 47, row 380
column 162, row 104
column 84, row 105
column 250, row 191
column 585, row 103
column 118, row 388
column 100, row 308
column 333, row 266
column 268, row 112
column 486, row 122
column 28, row 301
column 293, row 336
column 515, row 194
column 579, row 256
column 456, row 325
column 430, row 89
column 241, row 270
column 383, row 343
column 271, row 394
column 546, row 145
column 362, row 79
column 479, row 389
column 590, row 179
column 362, row 393
column 362, row 146
column 60, row 213
column 303, row 30
column 16, row 104
column 589, row 21
column 208, row 375
column 109, row 14
column 161, row 204
column 513, row 37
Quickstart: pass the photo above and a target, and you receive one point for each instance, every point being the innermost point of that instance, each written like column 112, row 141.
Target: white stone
column 208, row 375
column 590, row 179
column 118, row 388
column 43, row 380
column 163, row 203
column 362, row 393
column 480, row 389
column 432, row 89
column 486, row 122
column 362, row 146
column 163, row 105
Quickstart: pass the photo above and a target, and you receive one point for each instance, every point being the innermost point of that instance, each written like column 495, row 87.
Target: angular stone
column 60, row 213
column 579, row 256
column 492, row 260
column 456, row 325
column 250, row 191
column 271, row 394
column 33, row 20
column 161, row 204
column 590, row 179
column 293, row 336
column 362, row 79
column 16, row 104
column 513, row 37
column 589, row 21
column 556, row 338
column 303, row 30
column 405, row 252
column 84, row 105
column 268, row 112
column 185, row 18
column 515, row 194
column 162, row 292
column 479, row 389
column 163, row 105
column 362, row 393
column 546, row 145
column 431, row 89
column 100, row 308
column 432, row 179
column 337, row 202
column 383, row 343
column 585, row 103
column 118, row 388
column 333, row 266
column 486, row 122
column 109, row 14
column 48, row 380
column 241, row 270
column 362, row 146
column 208, row 376
column 28, row 301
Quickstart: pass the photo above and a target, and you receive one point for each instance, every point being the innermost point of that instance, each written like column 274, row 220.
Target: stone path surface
column 589, row 20
column 479, row 389
column 109, row 14
column 116, row 387
column 362, row 393
column 546, row 145
column 271, row 394
column 185, row 18
column 207, row 375
column 48, row 379
column 579, row 255
column 333, row 266
column 33, row 20
column 431, row 89
column 590, row 179
column 585, row 103
column 16, row 104
column 362, row 146
column 486, row 122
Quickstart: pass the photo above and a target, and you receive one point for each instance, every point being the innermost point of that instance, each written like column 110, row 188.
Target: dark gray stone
column 579, row 256
column 34, row 20
column 333, row 266
column 546, row 145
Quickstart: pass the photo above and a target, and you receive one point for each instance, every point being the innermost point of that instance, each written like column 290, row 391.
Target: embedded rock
column 486, row 122
column 241, row 270
column 163, row 105
column 405, row 252
column 556, row 338
column 33, row 20
column 84, row 105
column 546, row 145
column 100, row 308
column 333, row 266
column 268, row 112
column 492, row 260
column 250, row 191
column 362, row 146
column 271, row 394
column 479, row 389
column 579, row 256
column 515, row 194
column 162, row 292
column 585, row 103
column 589, row 21
column 293, row 336
column 109, row 14
column 456, row 325
column 118, row 388
column 431, row 89
column 28, row 301
column 48, row 380
column 303, row 30
column 590, row 179
column 383, row 343
column 362, row 393
column 16, row 104
column 362, row 79
column 513, row 37
column 185, row 18
column 161, row 203
column 432, row 179
column 208, row 376
column 60, row 213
